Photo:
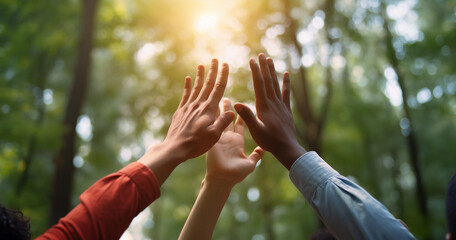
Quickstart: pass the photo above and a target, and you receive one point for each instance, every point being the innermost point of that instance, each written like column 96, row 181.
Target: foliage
column 144, row 49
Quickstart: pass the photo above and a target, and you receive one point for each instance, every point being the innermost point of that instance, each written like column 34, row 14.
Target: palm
column 226, row 160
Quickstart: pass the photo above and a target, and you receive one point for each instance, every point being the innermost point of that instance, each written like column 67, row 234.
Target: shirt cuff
column 144, row 179
column 308, row 172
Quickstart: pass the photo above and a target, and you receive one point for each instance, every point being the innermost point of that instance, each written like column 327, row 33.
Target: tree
column 412, row 143
column 142, row 50
column 64, row 168
column 314, row 122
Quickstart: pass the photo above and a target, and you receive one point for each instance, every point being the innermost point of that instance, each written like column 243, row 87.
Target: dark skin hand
column 273, row 128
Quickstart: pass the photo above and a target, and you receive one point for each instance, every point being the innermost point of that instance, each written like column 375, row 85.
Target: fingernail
column 214, row 60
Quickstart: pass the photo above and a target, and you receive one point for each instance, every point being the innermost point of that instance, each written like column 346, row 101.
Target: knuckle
column 219, row 84
column 195, row 105
column 197, row 86
column 225, row 119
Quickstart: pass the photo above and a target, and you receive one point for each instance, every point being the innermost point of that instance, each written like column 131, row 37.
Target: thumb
column 247, row 115
column 257, row 154
column 223, row 121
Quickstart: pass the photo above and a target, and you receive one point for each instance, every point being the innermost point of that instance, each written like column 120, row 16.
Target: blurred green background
column 87, row 86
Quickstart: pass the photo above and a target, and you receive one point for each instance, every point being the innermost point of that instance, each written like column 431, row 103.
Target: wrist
column 162, row 159
column 163, row 151
column 218, row 183
column 172, row 153
column 289, row 154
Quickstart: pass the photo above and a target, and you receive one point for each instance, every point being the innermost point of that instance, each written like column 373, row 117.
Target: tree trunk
column 411, row 137
column 64, row 168
column 395, row 175
column 301, row 90
column 352, row 99
column 314, row 124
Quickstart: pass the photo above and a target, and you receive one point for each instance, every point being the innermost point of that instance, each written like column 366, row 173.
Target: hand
column 226, row 166
column 195, row 126
column 226, row 160
column 273, row 130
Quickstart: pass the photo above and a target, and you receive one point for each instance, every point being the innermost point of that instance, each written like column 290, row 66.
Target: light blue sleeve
column 346, row 209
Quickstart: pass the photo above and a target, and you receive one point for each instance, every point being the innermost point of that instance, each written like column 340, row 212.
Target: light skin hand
column 273, row 128
column 195, row 126
column 226, row 161
column 226, row 165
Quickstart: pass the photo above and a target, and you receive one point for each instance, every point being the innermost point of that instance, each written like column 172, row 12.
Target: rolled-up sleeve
column 109, row 205
column 346, row 209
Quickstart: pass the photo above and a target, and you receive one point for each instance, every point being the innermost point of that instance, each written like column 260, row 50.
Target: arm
column 108, row 207
column 226, row 165
column 195, row 127
column 274, row 114
column 346, row 209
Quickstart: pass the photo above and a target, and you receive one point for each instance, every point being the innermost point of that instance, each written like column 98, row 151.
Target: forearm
column 162, row 159
column 346, row 209
column 201, row 222
column 288, row 154
column 349, row 212
column 108, row 206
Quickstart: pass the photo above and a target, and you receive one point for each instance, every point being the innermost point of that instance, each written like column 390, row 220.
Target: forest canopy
column 87, row 86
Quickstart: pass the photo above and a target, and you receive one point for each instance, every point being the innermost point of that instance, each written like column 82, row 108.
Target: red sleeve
column 108, row 206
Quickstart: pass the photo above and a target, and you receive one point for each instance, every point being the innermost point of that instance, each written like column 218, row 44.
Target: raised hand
column 273, row 128
column 226, row 165
column 226, row 160
column 195, row 126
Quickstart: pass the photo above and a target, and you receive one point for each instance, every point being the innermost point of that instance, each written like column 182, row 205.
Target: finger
column 275, row 81
column 210, row 81
column 218, row 113
column 286, row 89
column 248, row 116
column 227, row 107
column 239, row 126
column 266, row 75
column 221, row 123
column 258, row 82
column 220, row 85
column 187, row 91
column 198, row 82
column 257, row 154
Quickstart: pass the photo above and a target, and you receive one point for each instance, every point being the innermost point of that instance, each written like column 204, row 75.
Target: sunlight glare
column 392, row 90
column 307, row 60
column 148, row 51
column 84, row 128
column 305, row 36
column 206, row 22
